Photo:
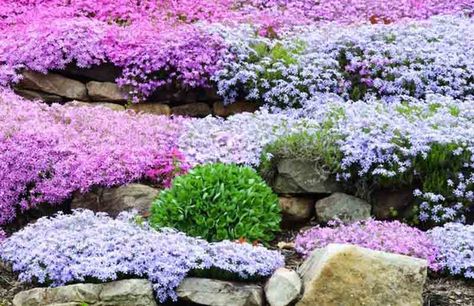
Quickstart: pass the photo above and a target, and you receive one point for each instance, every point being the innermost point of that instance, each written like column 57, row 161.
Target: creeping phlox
column 47, row 153
column 83, row 245
column 393, row 237
column 455, row 243
column 286, row 52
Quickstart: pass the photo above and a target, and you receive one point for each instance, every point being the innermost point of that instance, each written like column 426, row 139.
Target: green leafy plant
column 315, row 144
column 217, row 202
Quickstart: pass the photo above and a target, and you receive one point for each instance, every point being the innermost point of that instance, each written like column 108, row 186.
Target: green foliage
column 316, row 144
column 217, row 202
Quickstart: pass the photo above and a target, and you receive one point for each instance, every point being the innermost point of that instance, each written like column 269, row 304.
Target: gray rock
column 115, row 200
column 105, row 91
column 296, row 208
column 55, row 84
column 192, row 110
column 296, row 176
column 131, row 292
column 112, row 106
column 343, row 274
column 211, row 292
column 283, row 288
column 38, row 95
column 345, row 207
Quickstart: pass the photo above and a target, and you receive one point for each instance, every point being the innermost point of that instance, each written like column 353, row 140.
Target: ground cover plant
column 393, row 237
column 262, row 50
column 379, row 94
column 85, row 246
column 217, row 202
column 455, row 243
column 403, row 144
column 47, row 153
column 387, row 61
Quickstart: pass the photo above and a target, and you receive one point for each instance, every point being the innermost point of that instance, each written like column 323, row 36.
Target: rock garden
column 236, row 152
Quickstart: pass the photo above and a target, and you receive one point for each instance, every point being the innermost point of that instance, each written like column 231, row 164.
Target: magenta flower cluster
column 83, row 245
column 47, row 153
column 393, row 237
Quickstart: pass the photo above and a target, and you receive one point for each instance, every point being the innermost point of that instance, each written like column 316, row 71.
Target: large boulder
column 131, row 292
column 55, row 84
column 212, row 292
column 295, row 176
column 342, row 206
column 296, row 209
column 105, row 92
column 117, row 199
column 342, row 274
column 283, row 288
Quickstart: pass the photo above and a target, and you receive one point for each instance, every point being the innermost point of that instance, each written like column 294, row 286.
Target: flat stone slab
column 130, row 292
column 212, row 292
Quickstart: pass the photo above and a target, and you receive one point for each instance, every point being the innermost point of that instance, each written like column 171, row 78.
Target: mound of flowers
column 47, row 153
column 455, row 243
column 393, row 237
column 87, row 246
column 261, row 50
column 386, row 61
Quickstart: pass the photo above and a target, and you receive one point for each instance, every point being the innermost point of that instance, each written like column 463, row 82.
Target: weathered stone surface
column 342, row 274
column 102, row 73
column 54, row 84
column 296, row 176
column 105, row 91
column 205, row 291
column 388, row 201
column 117, row 199
column 38, row 95
column 151, row 108
column 296, row 208
column 222, row 110
column 112, row 106
column 192, row 110
column 132, row 292
column 283, row 288
column 342, row 206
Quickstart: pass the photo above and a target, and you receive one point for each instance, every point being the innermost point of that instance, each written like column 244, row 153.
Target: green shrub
column 217, row 202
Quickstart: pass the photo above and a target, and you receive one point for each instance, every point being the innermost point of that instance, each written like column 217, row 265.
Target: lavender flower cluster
column 455, row 243
column 240, row 139
column 386, row 61
column 83, row 245
column 393, row 237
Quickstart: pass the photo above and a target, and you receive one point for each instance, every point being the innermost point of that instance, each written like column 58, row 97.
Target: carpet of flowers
column 383, row 89
column 273, row 51
column 87, row 246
